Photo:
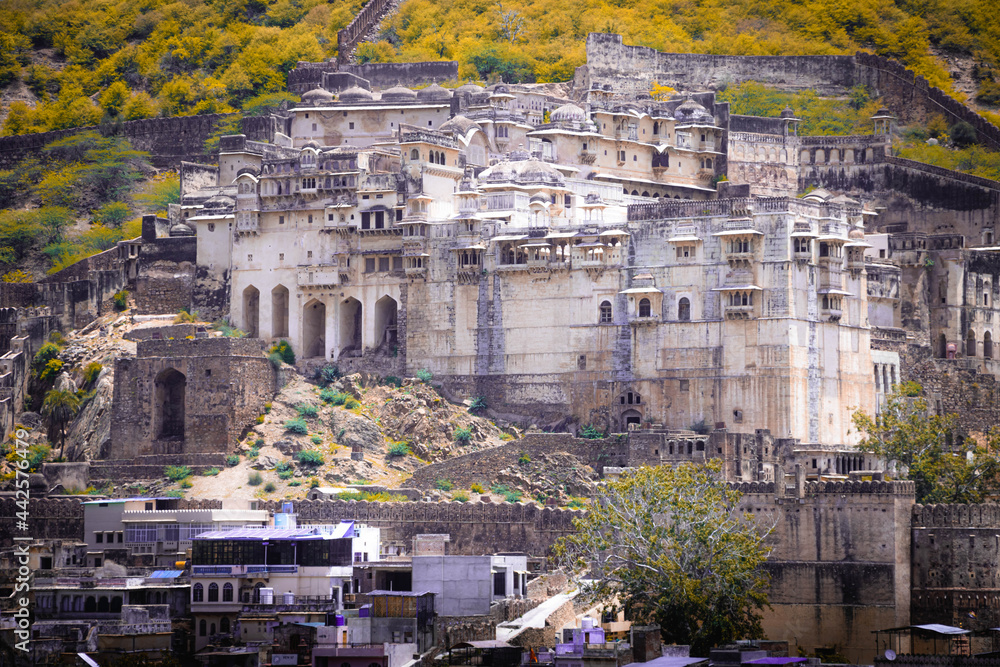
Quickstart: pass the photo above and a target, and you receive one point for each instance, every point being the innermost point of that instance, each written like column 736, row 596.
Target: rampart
column 363, row 22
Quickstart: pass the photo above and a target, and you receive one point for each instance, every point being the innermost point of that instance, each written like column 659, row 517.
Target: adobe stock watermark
column 22, row 584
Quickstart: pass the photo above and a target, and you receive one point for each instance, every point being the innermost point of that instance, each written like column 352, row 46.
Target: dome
column 501, row 171
column 356, row 94
column 689, row 109
column 317, row 96
column 458, row 125
column 787, row 112
column 219, row 201
column 434, row 93
column 181, row 229
column 312, row 143
column 398, row 94
column 541, row 198
column 470, row 88
column 569, row 113
column 856, row 234
column 536, row 171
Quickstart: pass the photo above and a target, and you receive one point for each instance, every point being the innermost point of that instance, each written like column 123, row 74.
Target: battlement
column 986, row 515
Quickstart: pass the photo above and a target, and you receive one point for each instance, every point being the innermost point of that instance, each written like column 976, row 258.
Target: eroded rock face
column 352, row 430
column 90, row 435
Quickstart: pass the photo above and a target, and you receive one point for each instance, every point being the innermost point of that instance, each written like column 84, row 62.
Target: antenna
column 890, row 655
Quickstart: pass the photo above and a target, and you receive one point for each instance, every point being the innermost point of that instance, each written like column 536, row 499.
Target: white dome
column 356, row 94
column 569, row 113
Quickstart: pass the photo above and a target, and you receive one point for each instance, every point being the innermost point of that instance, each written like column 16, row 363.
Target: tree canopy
column 671, row 545
column 927, row 449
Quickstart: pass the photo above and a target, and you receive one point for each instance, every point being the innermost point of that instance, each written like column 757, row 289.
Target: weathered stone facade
column 187, row 397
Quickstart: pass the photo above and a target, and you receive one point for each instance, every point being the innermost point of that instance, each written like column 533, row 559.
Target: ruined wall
column 955, row 566
column 166, row 279
column 47, row 519
column 386, row 75
column 225, row 383
column 839, row 563
column 167, row 140
column 360, row 25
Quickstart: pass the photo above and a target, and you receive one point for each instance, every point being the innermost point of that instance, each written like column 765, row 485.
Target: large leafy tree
column 670, row 543
column 59, row 409
column 926, row 449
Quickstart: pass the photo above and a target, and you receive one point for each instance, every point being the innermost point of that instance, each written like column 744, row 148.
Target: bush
column 590, row 432
column 351, row 403
column 275, row 359
column 506, row 437
column 258, row 443
column 212, row 472
column 399, row 449
column 255, row 479
column 317, row 439
column 46, row 353
column 444, row 485
column 267, row 408
column 477, row 488
column 963, row 134
column 478, row 403
column 176, row 473
column 310, row 457
column 313, row 483
column 463, row 434
column 113, row 214
column 269, row 487
column 253, row 453
column 425, row 376
column 297, row 425
column 284, row 349
column 184, row 317
column 282, row 466
column 523, row 459
column 910, row 389
column 186, row 484
column 460, row 496
column 334, row 397
column 329, row 374
column 233, row 460
column 91, row 372
column 227, row 330
column 512, row 496
column 295, row 483
column 393, row 381
column 286, row 474
column 174, row 493
column 51, row 371
column 260, row 419
column 307, row 410
column 120, row 300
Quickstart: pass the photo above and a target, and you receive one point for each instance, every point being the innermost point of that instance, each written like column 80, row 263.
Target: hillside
column 67, row 64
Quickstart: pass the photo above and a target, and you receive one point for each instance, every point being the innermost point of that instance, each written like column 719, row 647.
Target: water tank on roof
column 289, row 598
column 587, row 623
column 267, row 596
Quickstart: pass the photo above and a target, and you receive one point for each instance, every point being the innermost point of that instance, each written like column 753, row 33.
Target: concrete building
column 468, row 585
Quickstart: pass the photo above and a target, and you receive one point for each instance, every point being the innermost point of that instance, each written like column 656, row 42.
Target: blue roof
column 315, row 624
column 669, row 661
column 166, row 574
column 270, row 534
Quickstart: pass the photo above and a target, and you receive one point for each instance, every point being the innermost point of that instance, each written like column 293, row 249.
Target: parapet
column 985, row 515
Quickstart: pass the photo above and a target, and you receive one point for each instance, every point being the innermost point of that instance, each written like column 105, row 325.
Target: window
column 198, row 594
column 644, row 307
column 310, row 219
column 227, row 593
column 383, row 264
column 281, row 219
column 366, row 220
column 213, row 592
column 606, row 312
column 121, row 535
column 202, row 628
column 684, row 310
column 685, row 385
column 970, row 344
column 414, row 154
column 281, row 257
column 369, row 265
column 249, row 257
column 802, row 245
column 211, row 226
column 397, row 263
column 738, row 416
column 350, row 126
column 309, row 254
column 224, row 625
column 99, row 537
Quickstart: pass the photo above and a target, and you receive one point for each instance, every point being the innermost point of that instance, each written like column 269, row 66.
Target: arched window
column 644, row 307
column 227, row 593
column 684, row 309
column 224, row 625
column 970, row 344
column 606, row 312
column 202, row 628
column 988, row 345
column 943, row 346
column 213, row 592
column 211, row 629
column 198, row 593
column 656, row 128
column 414, row 154
column 708, row 163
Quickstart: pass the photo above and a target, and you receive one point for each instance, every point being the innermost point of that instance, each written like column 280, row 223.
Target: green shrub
column 260, row 419
column 478, row 403
column 233, row 460
column 399, row 449
column 307, row 410
column 310, row 457
column 335, row 397
column 297, row 425
column 212, row 472
column 317, row 439
column 253, row 453
column 460, row 496
column 255, row 479
column 176, row 473
column 910, row 389
column 184, row 317
column 275, row 359
column 286, row 474
column 444, row 485
column 523, row 459
column 227, row 330
column 425, row 376
column 313, row 483
column 186, row 484
column 269, row 487
column 351, row 403
column 51, row 371
column 112, row 214
column 120, row 299
column 576, row 503
column 499, row 489
column 258, row 443
column 329, row 374
column 477, row 488
column 282, row 466
column 174, row 493
column 506, row 437
column 46, row 353
column 463, row 434
column 963, row 134
column 295, row 483
column 512, row 496
column 591, row 432
column 90, row 373
column 284, row 348
column 393, row 381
